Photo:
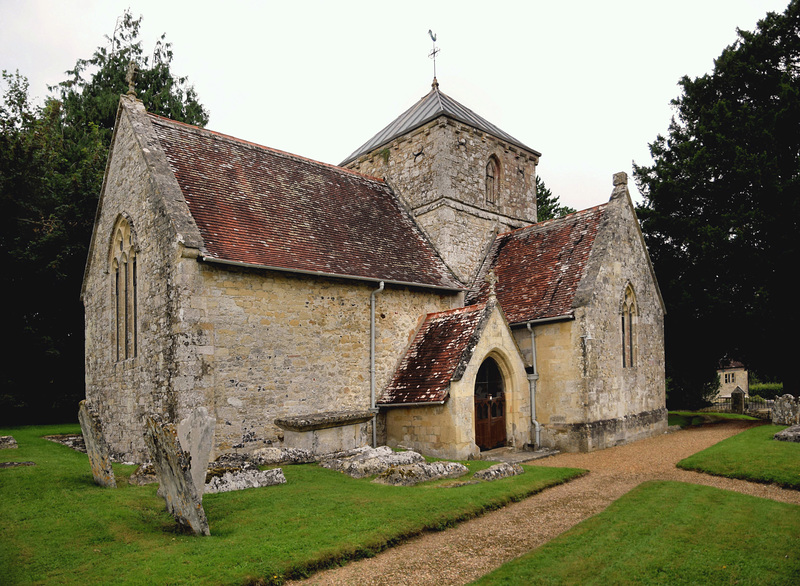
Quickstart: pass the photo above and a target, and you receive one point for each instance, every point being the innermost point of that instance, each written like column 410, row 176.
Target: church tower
column 462, row 178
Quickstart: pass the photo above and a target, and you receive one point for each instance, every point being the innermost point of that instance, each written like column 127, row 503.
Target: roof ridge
column 546, row 223
column 229, row 137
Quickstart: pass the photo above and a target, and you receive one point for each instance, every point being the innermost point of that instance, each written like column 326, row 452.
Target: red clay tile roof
column 437, row 355
column 263, row 207
column 539, row 267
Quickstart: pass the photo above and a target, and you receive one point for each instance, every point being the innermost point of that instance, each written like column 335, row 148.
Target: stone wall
column 439, row 171
column 586, row 400
column 282, row 345
column 122, row 391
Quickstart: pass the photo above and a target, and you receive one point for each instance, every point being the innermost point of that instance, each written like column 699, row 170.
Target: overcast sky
column 586, row 83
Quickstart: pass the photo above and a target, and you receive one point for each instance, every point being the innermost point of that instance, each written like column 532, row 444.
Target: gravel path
column 471, row 549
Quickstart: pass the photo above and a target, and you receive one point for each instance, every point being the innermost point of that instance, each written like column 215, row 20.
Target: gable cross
column 130, row 77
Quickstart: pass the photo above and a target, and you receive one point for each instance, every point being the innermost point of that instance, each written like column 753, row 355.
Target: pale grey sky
column 586, row 83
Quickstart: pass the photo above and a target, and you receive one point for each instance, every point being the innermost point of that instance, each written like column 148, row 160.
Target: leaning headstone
column 7, row 442
column 96, row 446
column 173, row 469
column 196, row 436
column 737, row 401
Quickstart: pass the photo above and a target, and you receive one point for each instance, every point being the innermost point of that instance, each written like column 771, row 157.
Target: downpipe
column 532, row 378
column 372, row 363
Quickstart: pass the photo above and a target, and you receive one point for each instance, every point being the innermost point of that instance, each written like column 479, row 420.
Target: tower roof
column 430, row 107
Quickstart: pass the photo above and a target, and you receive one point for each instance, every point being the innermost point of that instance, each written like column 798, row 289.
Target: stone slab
column 173, row 469
column 790, row 434
column 96, row 446
column 370, row 461
column 196, row 436
column 411, row 474
column 497, row 471
column 243, row 479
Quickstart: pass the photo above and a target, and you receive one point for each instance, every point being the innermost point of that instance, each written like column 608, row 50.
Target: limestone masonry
column 406, row 298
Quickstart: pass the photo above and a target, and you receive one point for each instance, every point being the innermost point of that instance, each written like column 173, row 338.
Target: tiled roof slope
column 434, row 104
column 263, row 207
column 539, row 267
column 444, row 343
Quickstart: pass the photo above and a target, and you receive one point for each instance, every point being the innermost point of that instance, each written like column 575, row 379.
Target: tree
column 721, row 208
column 52, row 160
column 548, row 205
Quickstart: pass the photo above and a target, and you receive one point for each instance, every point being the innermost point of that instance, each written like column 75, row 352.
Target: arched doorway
column 490, row 406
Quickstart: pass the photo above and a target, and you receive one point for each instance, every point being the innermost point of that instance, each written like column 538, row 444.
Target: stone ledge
column 323, row 420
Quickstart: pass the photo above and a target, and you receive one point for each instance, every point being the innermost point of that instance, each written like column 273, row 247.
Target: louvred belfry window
column 492, row 179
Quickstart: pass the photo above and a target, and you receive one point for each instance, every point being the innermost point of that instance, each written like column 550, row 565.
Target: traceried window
column 492, row 179
column 124, row 273
column 629, row 319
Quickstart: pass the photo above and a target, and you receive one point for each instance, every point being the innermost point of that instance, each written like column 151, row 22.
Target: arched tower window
column 125, row 275
column 492, row 179
column 628, row 320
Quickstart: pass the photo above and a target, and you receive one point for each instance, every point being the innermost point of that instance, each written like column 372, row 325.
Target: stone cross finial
column 492, row 279
column 130, row 77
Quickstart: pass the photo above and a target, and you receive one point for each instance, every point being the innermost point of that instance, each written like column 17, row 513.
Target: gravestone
column 173, row 469
column 96, row 446
column 737, row 401
column 786, row 410
column 196, row 436
column 7, row 442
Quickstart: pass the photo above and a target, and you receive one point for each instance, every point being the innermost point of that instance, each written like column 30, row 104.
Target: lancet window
column 629, row 319
column 492, row 179
column 124, row 273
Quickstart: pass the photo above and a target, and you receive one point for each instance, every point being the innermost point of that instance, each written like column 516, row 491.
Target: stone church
column 407, row 297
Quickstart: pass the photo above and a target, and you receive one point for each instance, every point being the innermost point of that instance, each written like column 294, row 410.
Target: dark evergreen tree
column 548, row 205
column 721, row 209
column 52, row 160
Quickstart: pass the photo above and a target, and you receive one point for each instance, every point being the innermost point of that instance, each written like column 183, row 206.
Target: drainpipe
column 532, row 378
column 372, row 364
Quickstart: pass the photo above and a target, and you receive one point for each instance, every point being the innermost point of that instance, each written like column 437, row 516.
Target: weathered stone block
column 96, row 446
column 370, row 461
column 172, row 466
column 786, row 410
column 245, row 479
column 196, row 436
column 411, row 474
column 501, row 470
column 790, row 434
column 8, row 442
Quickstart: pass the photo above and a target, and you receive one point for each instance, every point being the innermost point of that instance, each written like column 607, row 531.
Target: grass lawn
column 751, row 455
column 670, row 533
column 57, row 526
column 690, row 418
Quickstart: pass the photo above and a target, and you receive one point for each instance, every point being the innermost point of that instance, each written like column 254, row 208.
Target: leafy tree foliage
column 721, row 209
column 52, row 160
column 548, row 205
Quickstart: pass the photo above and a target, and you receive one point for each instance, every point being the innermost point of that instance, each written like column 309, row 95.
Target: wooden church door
column 490, row 407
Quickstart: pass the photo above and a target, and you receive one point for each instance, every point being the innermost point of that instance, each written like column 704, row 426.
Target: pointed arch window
column 124, row 273
column 628, row 322
column 492, row 179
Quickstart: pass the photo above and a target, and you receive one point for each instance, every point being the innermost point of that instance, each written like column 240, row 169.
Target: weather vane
column 434, row 52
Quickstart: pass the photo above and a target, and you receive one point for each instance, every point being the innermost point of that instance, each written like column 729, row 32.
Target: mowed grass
column 751, row 455
column 670, row 533
column 691, row 418
column 57, row 526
